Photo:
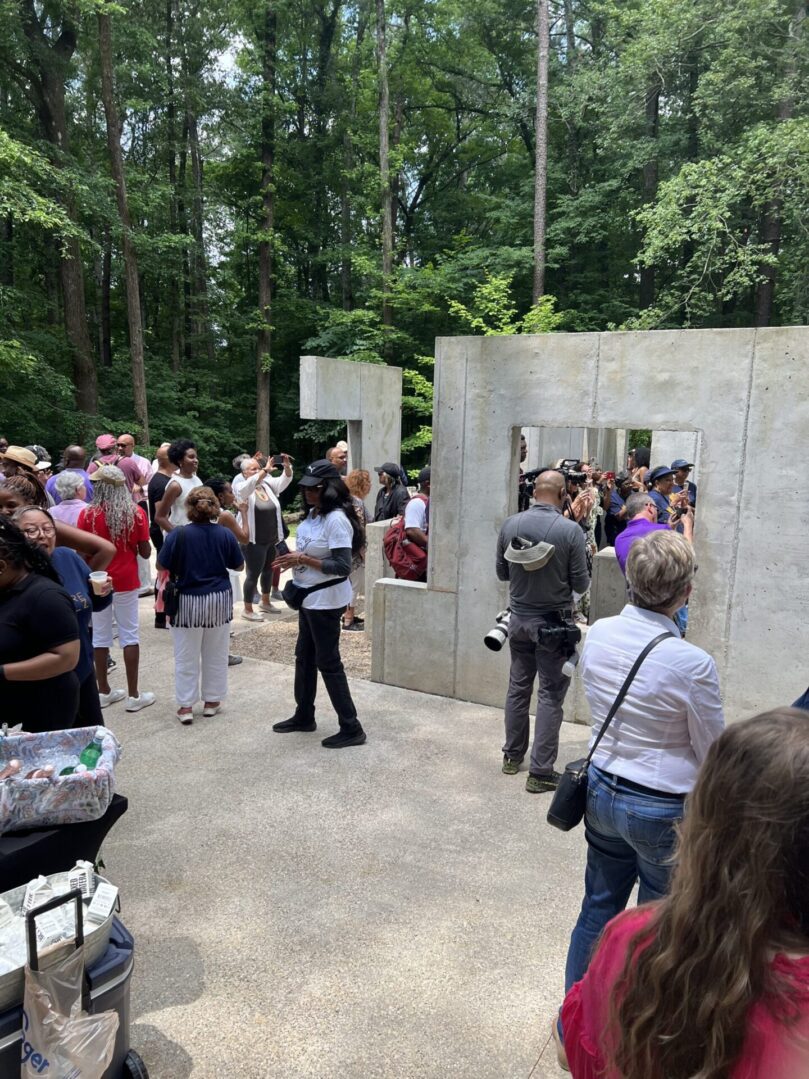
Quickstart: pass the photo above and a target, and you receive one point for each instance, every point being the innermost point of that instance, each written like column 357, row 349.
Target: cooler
column 109, row 984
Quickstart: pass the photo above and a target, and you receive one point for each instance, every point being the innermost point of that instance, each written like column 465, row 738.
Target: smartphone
column 281, row 548
column 608, row 476
column 278, row 461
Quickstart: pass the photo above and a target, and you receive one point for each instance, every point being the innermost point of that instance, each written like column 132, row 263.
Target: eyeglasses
column 122, row 445
column 39, row 530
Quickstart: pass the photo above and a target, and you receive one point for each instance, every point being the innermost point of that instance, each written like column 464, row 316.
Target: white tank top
column 177, row 515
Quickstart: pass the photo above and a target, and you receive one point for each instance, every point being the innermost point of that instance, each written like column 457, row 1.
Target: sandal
column 186, row 717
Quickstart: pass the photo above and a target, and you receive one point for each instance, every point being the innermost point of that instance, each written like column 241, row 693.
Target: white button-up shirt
column 672, row 712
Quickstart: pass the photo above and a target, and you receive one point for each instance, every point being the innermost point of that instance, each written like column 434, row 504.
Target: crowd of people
column 82, row 531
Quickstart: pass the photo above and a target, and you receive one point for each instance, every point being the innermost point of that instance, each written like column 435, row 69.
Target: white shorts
column 125, row 606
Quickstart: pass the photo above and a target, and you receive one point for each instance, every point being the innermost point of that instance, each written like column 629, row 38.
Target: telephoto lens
column 497, row 637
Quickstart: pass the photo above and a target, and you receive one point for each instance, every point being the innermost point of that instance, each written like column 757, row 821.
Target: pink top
column 68, row 510
column 770, row 1049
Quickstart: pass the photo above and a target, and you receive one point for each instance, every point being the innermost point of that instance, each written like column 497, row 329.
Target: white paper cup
column 98, row 579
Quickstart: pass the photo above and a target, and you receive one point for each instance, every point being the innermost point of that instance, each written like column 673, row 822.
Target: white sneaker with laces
column 112, row 697
column 143, row 700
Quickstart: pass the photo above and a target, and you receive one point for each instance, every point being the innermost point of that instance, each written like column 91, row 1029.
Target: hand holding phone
column 282, row 548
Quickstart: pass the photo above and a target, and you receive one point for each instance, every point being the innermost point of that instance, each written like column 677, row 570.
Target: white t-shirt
column 317, row 536
column 415, row 515
column 177, row 514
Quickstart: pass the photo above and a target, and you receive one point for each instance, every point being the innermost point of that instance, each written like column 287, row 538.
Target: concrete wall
column 745, row 391
column 366, row 395
column 668, row 446
column 608, row 593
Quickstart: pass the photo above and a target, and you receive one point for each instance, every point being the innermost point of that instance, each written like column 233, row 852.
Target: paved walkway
column 396, row 910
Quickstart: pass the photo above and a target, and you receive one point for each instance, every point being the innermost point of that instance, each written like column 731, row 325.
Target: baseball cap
column 318, row 471
column 391, row 468
column 658, row 473
column 20, row 456
column 424, row 476
column 681, row 463
column 106, row 442
column 531, row 556
column 42, row 466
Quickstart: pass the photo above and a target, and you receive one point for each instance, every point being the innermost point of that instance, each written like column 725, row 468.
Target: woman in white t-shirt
column 324, row 542
column 171, row 511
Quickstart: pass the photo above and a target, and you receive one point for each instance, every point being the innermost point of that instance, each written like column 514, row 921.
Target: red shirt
column 124, row 567
column 771, row 1050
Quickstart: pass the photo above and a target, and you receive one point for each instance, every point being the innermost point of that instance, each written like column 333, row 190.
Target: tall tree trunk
column 265, row 253
column 348, row 165
column 188, row 338
column 104, row 328
column 384, row 162
column 200, row 267
column 646, row 294
column 7, row 252
column 175, row 310
column 46, row 71
column 133, row 307
column 541, row 152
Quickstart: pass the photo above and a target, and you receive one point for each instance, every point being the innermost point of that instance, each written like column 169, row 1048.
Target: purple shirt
column 50, row 486
column 634, row 530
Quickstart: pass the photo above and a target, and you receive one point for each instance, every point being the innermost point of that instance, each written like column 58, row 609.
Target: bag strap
column 622, row 692
column 180, row 550
column 325, row 584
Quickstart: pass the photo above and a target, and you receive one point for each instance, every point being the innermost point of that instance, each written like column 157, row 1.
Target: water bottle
column 569, row 666
column 91, row 753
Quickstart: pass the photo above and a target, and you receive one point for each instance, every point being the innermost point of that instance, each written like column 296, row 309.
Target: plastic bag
column 60, row 1040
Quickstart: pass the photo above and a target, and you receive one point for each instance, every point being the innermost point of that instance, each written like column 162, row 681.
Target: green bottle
column 91, row 753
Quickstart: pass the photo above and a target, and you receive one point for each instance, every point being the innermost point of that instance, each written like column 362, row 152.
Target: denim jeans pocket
column 652, row 832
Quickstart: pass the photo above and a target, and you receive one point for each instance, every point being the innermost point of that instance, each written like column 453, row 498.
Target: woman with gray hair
column 648, row 759
column 72, row 497
column 113, row 516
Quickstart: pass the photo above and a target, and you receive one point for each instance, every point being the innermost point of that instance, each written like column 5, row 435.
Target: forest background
column 193, row 195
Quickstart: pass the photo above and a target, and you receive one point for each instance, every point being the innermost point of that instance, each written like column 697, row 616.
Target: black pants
column 258, row 560
column 318, row 649
column 89, row 714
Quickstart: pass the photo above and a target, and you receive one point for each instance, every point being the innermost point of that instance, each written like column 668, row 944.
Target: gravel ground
column 274, row 641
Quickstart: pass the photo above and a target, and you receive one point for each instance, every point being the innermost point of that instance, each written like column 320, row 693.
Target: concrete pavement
column 400, row 909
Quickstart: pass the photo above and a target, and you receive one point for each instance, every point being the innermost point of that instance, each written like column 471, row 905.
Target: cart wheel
column 134, row 1068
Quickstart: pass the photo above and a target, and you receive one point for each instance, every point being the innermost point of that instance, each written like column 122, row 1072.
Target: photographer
column 542, row 556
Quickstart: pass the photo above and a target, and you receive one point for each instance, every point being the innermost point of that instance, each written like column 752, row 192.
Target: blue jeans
column 630, row 837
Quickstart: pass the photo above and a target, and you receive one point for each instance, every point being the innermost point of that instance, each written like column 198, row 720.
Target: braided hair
column 20, row 553
column 26, row 488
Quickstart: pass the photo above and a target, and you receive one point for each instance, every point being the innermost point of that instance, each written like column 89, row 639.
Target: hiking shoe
column 537, row 784
column 143, row 700
column 294, row 724
column 355, row 627
column 114, row 695
column 511, row 766
column 345, row 738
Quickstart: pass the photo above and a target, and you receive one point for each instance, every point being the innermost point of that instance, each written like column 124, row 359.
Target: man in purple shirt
column 641, row 513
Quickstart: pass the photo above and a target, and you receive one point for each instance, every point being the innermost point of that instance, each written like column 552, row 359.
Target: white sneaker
column 143, row 700
column 112, row 697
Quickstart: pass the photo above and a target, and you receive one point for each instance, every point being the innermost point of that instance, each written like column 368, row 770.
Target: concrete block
column 668, row 446
column 608, row 591
column 367, row 396
column 413, row 637
column 376, row 567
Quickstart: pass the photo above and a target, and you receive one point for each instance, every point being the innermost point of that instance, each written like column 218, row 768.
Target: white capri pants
column 125, row 607
column 200, row 652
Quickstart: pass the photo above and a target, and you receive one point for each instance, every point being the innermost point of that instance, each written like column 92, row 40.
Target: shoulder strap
column 179, row 561
column 325, row 584
column 622, row 692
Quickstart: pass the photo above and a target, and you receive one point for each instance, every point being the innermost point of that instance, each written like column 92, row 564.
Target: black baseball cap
column 317, row 472
column 391, row 469
column 424, row 476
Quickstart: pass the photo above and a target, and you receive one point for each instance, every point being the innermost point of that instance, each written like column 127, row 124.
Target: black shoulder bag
column 570, row 798
column 171, row 592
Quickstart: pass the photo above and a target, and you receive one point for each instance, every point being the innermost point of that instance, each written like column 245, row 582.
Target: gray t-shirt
column 550, row 588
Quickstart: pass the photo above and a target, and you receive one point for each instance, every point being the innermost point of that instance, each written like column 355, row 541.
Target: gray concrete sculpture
column 744, row 393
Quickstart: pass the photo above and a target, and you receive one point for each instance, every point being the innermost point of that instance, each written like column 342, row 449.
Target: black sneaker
column 345, row 738
column 234, row 661
column 537, row 784
column 294, row 724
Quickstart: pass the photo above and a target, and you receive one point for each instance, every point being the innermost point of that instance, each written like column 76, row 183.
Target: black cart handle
column 52, row 904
